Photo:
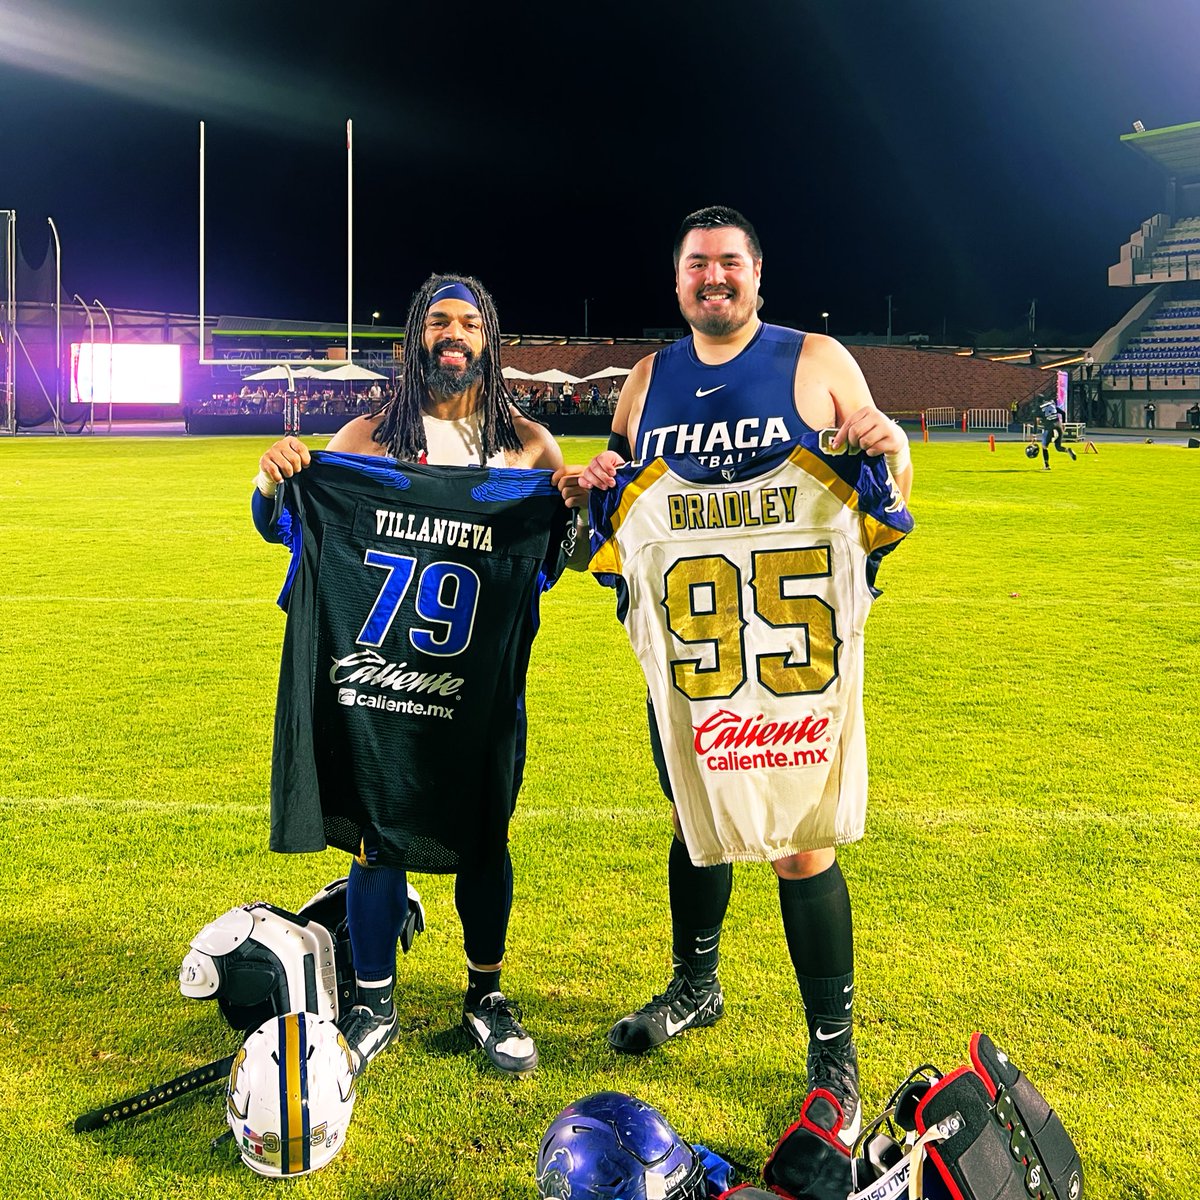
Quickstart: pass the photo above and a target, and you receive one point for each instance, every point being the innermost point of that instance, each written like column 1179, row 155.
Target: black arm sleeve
column 620, row 445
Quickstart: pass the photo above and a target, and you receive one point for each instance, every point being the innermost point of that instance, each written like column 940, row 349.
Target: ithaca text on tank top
column 722, row 414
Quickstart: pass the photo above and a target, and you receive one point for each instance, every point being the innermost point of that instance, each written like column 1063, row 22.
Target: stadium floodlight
column 825, row 318
column 259, row 362
column 1138, row 127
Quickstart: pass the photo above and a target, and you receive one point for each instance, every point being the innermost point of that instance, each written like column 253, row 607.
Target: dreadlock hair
column 402, row 430
column 717, row 216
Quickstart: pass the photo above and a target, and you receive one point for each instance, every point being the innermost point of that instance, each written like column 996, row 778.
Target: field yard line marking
column 135, row 600
column 652, row 812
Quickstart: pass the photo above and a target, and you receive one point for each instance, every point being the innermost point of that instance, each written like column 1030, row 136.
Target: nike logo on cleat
column 673, row 1027
column 823, row 1036
column 701, row 392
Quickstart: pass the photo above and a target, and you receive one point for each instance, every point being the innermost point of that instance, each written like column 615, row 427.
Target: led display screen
column 125, row 374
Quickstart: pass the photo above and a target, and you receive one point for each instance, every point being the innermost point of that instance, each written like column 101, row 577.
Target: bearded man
column 452, row 408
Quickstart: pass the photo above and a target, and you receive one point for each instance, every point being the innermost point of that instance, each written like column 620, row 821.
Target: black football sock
column 699, row 898
column 377, row 995
column 480, row 984
column 819, row 928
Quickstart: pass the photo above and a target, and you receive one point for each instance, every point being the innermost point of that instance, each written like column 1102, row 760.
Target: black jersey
column 412, row 605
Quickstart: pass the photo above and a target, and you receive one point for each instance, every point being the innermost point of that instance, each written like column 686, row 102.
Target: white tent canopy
column 349, row 371
column 513, row 373
column 609, row 373
column 555, row 376
column 272, row 373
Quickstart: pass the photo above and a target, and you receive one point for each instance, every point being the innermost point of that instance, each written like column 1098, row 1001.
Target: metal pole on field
column 110, row 360
column 91, row 363
column 201, row 330
column 10, row 316
column 349, row 240
column 58, row 425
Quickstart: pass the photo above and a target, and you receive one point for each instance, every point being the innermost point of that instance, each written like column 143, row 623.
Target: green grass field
column 1030, row 869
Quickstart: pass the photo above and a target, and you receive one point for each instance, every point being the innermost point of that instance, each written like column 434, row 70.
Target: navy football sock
column 376, row 906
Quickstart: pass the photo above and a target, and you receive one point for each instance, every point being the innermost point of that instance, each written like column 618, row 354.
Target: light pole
column 586, row 301
column 825, row 318
column 375, row 316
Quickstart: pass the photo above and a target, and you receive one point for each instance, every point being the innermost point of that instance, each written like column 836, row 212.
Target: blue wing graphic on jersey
column 512, row 483
column 384, row 470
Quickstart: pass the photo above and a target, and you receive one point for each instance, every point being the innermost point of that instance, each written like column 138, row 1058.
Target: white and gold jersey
column 744, row 591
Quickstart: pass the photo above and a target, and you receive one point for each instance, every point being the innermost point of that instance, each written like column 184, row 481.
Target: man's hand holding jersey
column 568, row 480
column 874, row 433
column 869, row 430
column 281, row 461
column 600, row 473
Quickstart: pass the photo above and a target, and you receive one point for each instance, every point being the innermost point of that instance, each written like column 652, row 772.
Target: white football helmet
column 290, row 1095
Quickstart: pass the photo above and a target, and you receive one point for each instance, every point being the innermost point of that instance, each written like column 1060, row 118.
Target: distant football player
column 734, row 389
column 1050, row 418
column 442, row 799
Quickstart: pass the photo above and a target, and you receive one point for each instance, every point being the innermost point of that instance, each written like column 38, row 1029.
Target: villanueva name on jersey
column 412, row 527
column 742, row 509
column 715, row 444
column 727, row 741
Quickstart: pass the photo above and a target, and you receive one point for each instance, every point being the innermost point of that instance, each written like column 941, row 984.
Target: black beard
column 716, row 324
column 450, row 381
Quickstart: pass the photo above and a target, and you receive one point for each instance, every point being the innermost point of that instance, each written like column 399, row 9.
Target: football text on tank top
column 411, row 602
column 722, row 414
column 744, row 591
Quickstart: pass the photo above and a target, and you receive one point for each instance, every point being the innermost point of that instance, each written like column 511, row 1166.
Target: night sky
column 961, row 156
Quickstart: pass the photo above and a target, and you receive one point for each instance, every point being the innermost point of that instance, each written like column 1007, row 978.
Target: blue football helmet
column 610, row 1146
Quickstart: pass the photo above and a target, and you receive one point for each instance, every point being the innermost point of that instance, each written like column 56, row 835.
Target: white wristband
column 899, row 460
column 265, row 484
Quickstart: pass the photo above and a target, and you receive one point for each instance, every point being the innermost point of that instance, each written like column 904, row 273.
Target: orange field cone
column 992, row 442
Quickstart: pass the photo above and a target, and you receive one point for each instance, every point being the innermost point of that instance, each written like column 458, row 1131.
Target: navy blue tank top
column 722, row 414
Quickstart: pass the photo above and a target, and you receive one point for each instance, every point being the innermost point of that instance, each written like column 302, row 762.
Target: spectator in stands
column 1150, row 410
column 1193, row 416
column 1050, row 419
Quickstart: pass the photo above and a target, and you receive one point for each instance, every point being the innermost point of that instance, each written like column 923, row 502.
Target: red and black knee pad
column 810, row 1160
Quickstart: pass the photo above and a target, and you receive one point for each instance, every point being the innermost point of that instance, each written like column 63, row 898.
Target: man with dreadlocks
column 452, row 408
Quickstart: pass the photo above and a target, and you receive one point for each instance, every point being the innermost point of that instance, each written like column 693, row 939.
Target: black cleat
column 835, row 1070
column 367, row 1034
column 681, row 1007
column 495, row 1023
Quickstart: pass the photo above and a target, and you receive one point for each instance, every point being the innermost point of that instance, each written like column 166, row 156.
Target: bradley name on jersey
column 743, row 509
column 715, row 443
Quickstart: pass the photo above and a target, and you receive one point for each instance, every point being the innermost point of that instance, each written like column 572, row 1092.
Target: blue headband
column 454, row 291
